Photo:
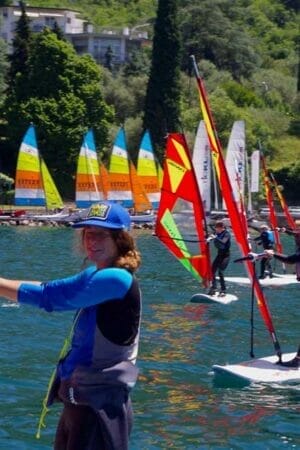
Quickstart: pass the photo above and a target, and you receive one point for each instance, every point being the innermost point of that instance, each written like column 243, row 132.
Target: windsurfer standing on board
column 266, row 239
column 288, row 259
column 222, row 242
column 94, row 375
column 296, row 234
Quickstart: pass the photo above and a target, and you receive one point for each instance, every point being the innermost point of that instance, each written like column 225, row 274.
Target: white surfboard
column 260, row 370
column 205, row 298
column 277, row 280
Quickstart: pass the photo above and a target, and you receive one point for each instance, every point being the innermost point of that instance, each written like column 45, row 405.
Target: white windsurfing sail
column 202, row 165
column 255, row 158
column 235, row 161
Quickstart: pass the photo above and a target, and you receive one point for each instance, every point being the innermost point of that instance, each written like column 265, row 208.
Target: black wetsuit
column 266, row 239
column 222, row 243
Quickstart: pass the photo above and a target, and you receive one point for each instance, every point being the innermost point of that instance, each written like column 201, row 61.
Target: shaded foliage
column 19, row 68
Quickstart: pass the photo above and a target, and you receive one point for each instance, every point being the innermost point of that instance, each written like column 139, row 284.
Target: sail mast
column 236, row 221
column 283, row 203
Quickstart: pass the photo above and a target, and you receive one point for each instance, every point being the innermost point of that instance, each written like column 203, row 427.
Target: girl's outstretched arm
column 9, row 288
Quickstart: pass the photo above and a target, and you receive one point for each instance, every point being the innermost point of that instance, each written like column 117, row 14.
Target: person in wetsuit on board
column 222, row 242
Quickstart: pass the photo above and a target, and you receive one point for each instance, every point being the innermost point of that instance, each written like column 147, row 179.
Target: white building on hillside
column 77, row 30
column 67, row 20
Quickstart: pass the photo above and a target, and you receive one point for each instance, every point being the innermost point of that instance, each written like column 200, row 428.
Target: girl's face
column 100, row 246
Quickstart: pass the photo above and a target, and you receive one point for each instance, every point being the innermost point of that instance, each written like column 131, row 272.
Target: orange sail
column 104, row 180
column 237, row 223
column 180, row 221
column 140, row 200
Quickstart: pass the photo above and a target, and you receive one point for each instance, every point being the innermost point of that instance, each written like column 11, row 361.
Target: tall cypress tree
column 19, row 57
column 163, row 91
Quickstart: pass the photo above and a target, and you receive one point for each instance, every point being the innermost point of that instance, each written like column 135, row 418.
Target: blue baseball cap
column 106, row 215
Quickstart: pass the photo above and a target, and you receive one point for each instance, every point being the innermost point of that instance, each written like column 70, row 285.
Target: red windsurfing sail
column 270, row 202
column 237, row 222
column 284, row 206
column 180, row 221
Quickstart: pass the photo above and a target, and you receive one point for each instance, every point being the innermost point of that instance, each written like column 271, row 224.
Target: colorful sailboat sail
column 119, row 173
column 52, row 196
column 232, row 207
column 147, row 170
column 141, row 201
column 34, row 185
column 180, row 221
column 160, row 174
column 88, row 184
column 104, row 179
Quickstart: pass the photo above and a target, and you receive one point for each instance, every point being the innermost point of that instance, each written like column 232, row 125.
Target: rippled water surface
column 176, row 401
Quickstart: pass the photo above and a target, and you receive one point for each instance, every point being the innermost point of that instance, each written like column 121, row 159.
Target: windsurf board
column 276, row 280
column 222, row 300
column 260, row 370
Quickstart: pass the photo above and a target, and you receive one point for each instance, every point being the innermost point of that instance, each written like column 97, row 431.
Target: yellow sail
column 53, row 198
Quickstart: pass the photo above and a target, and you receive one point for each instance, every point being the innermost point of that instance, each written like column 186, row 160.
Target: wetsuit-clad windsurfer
column 266, row 239
column 296, row 234
column 222, row 242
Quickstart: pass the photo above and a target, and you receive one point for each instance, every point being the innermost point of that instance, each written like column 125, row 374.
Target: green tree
column 3, row 69
column 63, row 99
column 212, row 34
column 19, row 68
column 162, row 103
column 138, row 64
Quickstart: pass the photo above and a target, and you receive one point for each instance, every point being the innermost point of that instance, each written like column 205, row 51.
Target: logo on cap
column 99, row 210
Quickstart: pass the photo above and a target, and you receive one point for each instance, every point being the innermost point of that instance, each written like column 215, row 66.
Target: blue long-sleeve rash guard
column 87, row 288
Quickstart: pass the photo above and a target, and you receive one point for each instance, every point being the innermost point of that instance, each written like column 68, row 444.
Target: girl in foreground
column 94, row 376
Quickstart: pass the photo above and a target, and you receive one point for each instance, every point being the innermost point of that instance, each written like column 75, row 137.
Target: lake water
column 176, row 402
